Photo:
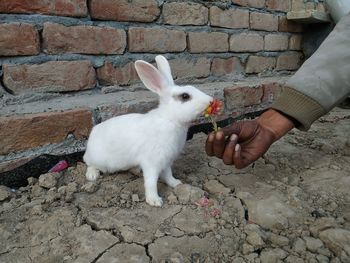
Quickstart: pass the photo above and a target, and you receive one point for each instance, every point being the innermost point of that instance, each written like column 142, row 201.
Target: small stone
column 214, row 187
column 247, row 249
column 5, row 193
column 32, row 180
column 321, row 224
column 90, row 187
column 322, row 259
column 135, row 198
column 294, row 259
column 187, row 193
column 37, row 191
column 313, row 244
column 337, row 240
column 278, row 240
column 124, row 196
column 299, row 246
column 273, row 255
column 37, row 210
column 172, row 199
column 255, row 240
column 48, row 180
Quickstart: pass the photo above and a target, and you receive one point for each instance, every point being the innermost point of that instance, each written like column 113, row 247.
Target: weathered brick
column 262, row 21
column 229, row 18
column 257, row 64
column 199, row 42
column 271, row 91
column 252, row 3
column 246, row 42
column 18, row 39
column 228, row 66
column 122, row 75
column 50, row 76
column 83, row 39
column 190, row 67
column 34, row 130
column 237, row 97
column 279, row 5
column 276, row 42
column 297, row 5
column 156, row 40
column 75, row 8
column 125, row 10
column 289, row 61
column 285, row 25
column 106, row 112
column 295, row 42
column 185, row 14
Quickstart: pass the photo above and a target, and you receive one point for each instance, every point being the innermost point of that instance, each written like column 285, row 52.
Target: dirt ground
column 291, row 206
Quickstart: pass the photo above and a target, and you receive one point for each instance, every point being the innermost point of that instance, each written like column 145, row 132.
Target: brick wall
column 65, row 60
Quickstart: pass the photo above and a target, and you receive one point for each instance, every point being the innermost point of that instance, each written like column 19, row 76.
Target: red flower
column 212, row 110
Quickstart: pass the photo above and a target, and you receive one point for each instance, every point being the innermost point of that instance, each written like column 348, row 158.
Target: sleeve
column 322, row 82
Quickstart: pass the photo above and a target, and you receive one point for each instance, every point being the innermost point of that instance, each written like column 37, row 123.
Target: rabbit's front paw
column 154, row 200
column 92, row 173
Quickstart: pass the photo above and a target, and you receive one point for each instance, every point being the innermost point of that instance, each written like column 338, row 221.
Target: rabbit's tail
column 92, row 173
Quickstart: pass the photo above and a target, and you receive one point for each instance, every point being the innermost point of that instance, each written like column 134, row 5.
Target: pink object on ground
column 61, row 165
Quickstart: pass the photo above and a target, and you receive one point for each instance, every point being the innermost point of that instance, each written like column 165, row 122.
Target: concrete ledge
column 33, row 115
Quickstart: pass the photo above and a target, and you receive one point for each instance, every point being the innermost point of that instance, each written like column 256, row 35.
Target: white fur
column 150, row 141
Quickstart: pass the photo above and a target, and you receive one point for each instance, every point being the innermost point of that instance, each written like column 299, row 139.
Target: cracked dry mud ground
column 291, row 206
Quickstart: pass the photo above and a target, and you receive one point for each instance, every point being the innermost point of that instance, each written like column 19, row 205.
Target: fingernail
column 237, row 147
column 219, row 135
column 211, row 137
column 233, row 137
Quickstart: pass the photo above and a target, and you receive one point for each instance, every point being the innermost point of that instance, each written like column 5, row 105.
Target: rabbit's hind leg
column 92, row 173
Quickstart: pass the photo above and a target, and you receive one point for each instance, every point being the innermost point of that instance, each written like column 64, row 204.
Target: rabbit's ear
column 150, row 76
column 164, row 68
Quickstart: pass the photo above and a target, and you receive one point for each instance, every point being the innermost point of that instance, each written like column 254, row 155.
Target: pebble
column 48, row 180
column 5, row 193
column 312, row 244
column 135, row 198
column 90, row 187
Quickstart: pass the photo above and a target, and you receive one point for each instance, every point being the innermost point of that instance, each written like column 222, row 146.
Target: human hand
column 242, row 143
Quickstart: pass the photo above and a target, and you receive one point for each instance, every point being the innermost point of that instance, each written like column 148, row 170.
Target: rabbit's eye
column 185, row 96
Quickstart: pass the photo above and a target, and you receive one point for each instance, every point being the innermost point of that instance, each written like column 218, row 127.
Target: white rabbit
column 150, row 141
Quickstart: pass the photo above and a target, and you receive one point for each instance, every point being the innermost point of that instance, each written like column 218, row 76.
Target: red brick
column 190, row 67
column 228, row 66
column 295, row 42
column 257, row 64
column 96, row 40
column 279, row 5
column 246, row 42
column 34, row 130
column 262, row 21
column 156, row 40
column 271, row 91
column 120, row 75
column 285, row 25
column 242, row 96
column 125, row 10
column 185, row 14
column 50, row 76
column 289, row 61
column 199, row 42
column 76, row 8
column 18, row 39
column 251, row 3
column 229, row 18
column 276, row 42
